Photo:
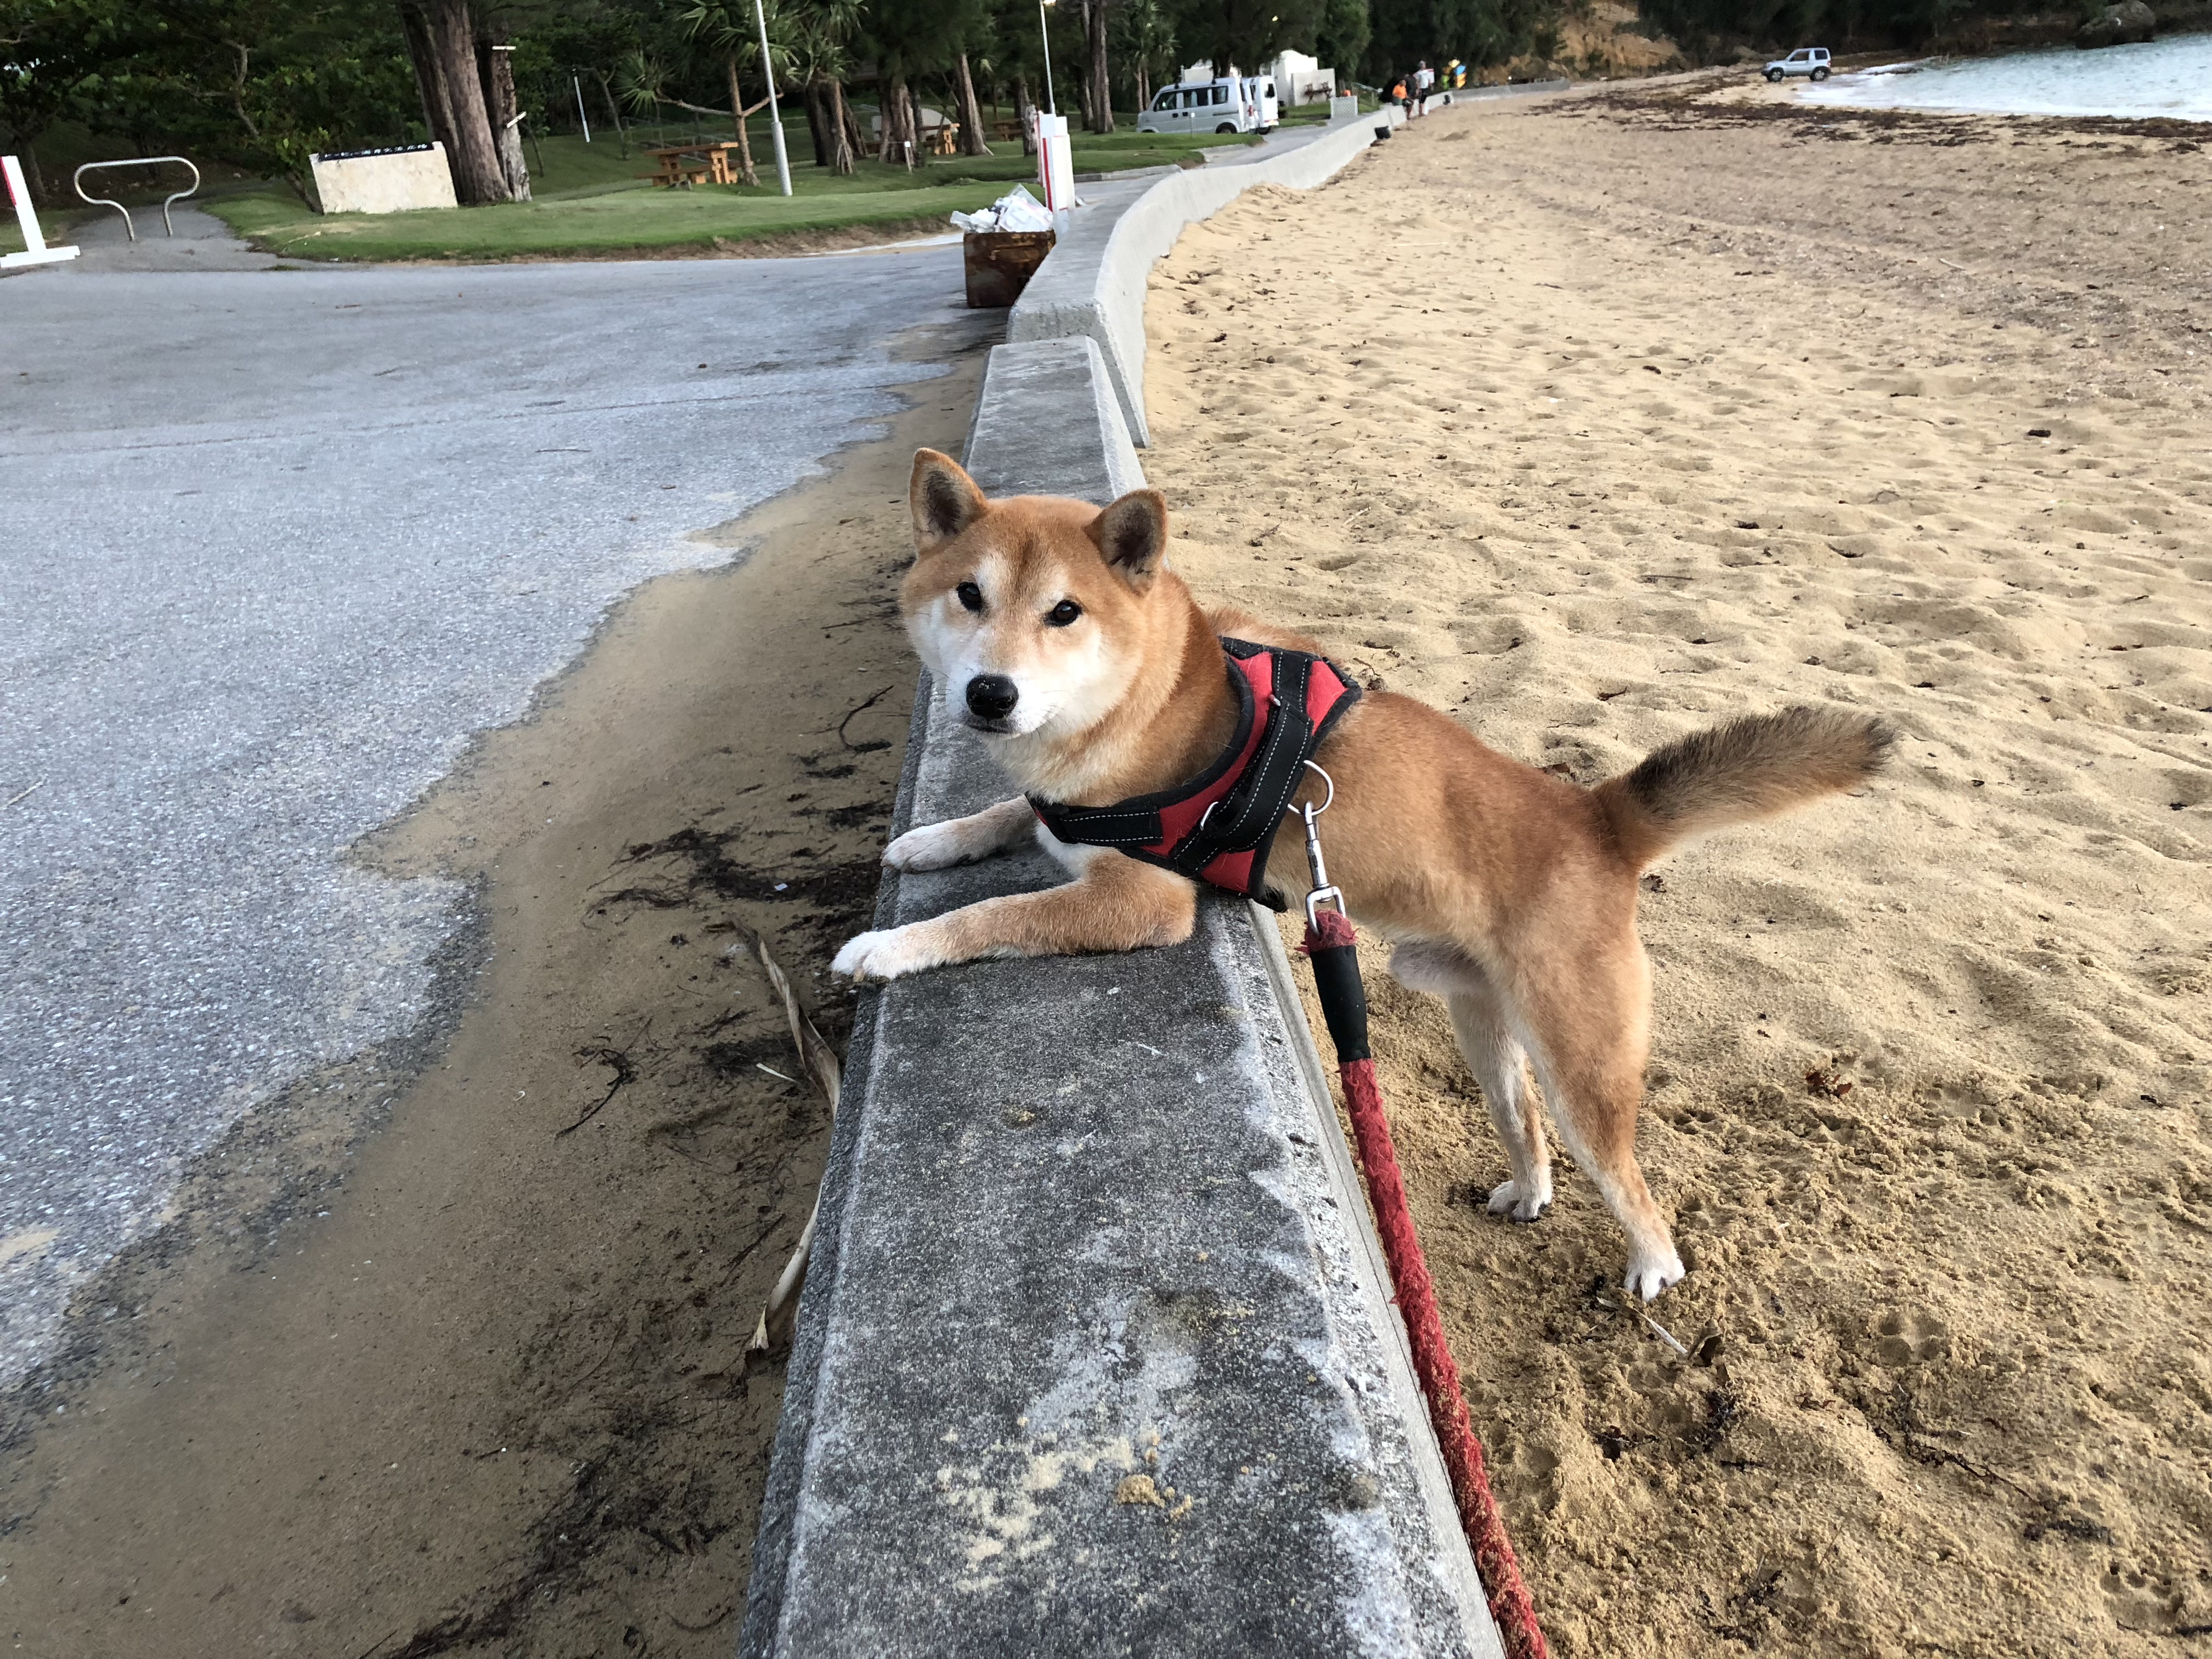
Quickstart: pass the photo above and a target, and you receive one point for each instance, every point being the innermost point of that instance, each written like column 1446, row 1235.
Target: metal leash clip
column 1322, row 892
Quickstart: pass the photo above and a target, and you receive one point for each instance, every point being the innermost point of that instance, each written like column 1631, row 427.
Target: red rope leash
column 1336, row 974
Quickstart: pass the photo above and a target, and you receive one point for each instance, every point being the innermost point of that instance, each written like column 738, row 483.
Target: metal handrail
column 76, row 181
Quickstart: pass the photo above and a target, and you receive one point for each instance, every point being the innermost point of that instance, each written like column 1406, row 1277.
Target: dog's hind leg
column 1590, row 1037
column 964, row 841
column 1501, row 1068
column 1481, row 1021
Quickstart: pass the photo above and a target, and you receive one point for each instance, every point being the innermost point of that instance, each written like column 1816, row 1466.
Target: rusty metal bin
column 1001, row 263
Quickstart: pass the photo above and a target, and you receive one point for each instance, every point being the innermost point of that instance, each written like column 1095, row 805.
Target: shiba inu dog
column 1055, row 629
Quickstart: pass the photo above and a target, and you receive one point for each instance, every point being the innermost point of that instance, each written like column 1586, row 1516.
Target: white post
column 1050, row 107
column 35, row 251
column 1056, row 167
column 577, row 86
column 775, row 118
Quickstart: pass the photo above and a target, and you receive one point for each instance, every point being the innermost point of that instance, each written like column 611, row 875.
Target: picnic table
column 1006, row 128
column 944, row 138
column 693, row 164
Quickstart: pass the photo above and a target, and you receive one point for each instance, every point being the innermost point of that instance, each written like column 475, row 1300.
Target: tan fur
column 1511, row 893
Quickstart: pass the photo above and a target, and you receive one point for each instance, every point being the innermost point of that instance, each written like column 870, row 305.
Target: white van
column 1218, row 105
column 1260, row 93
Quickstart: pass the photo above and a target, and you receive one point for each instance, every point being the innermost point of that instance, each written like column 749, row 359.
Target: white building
column 1299, row 79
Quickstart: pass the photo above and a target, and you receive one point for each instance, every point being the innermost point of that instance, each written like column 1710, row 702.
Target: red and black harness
column 1217, row 828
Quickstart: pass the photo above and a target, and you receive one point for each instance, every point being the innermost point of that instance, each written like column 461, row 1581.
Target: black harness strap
column 1244, row 819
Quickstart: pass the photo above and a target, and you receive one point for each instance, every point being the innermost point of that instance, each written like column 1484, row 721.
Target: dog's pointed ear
column 945, row 500
column 1133, row 535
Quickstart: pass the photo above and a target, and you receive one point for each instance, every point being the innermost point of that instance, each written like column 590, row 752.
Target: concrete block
column 384, row 180
column 1047, row 424
column 1096, row 1355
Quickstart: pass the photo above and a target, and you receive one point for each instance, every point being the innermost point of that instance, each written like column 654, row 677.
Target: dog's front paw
column 933, row 846
column 1507, row 1198
column 886, row 954
column 1650, row 1275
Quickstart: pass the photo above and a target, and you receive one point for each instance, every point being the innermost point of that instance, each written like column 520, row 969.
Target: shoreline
column 1724, row 96
column 1800, row 94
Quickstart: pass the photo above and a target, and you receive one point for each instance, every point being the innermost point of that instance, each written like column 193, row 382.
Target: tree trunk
column 818, row 98
column 497, row 69
column 477, row 175
column 35, row 179
column 430, row 79
column 1090, row 116
column 738, row 114
column 973, row 140
column 898, row 105
column 622, row 133
column 845, row 133
column 1022, row 110
column 1100, row 93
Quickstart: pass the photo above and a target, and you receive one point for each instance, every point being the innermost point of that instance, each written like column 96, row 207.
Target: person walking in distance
column 1423, row 79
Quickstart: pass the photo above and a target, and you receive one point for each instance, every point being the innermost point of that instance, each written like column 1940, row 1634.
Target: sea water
column 2172, row 78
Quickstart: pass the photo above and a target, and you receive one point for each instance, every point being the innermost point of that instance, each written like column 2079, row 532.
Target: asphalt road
column 273, row 544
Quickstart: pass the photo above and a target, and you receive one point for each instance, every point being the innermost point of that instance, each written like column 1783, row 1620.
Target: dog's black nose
column 993, row 696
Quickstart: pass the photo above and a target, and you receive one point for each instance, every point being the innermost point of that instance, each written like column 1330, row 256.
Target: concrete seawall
column 1098, row 1353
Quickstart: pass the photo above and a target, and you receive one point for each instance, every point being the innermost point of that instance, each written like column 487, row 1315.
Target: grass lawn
column 592, row 199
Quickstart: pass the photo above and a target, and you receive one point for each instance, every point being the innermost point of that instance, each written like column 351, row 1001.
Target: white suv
column 1806, row 60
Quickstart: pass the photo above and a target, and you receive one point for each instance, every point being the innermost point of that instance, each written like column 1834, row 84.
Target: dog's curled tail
column 1752, row 768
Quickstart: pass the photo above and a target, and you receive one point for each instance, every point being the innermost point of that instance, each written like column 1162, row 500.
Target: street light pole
column 1050, row 108
column 775, row 117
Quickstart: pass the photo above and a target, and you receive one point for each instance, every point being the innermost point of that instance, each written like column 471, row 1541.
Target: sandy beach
column 1596, row 421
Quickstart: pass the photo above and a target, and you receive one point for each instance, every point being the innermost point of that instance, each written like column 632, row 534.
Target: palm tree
column 727, row 27
column 1144, row 33
column 821, row 58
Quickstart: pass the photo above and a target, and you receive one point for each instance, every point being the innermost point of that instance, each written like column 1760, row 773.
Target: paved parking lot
column 278, row 543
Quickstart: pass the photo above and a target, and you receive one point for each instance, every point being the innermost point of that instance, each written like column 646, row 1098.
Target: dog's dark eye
column 1063, row 613
column 971, row 597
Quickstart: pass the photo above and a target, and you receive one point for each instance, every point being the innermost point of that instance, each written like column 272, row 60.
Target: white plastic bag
column 1016, row 210
column 1020, row 210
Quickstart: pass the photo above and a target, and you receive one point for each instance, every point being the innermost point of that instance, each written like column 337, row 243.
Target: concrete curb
column 1089, row 1219
column 1098, row 1353
column 1125, row 174
column 1512, row 89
